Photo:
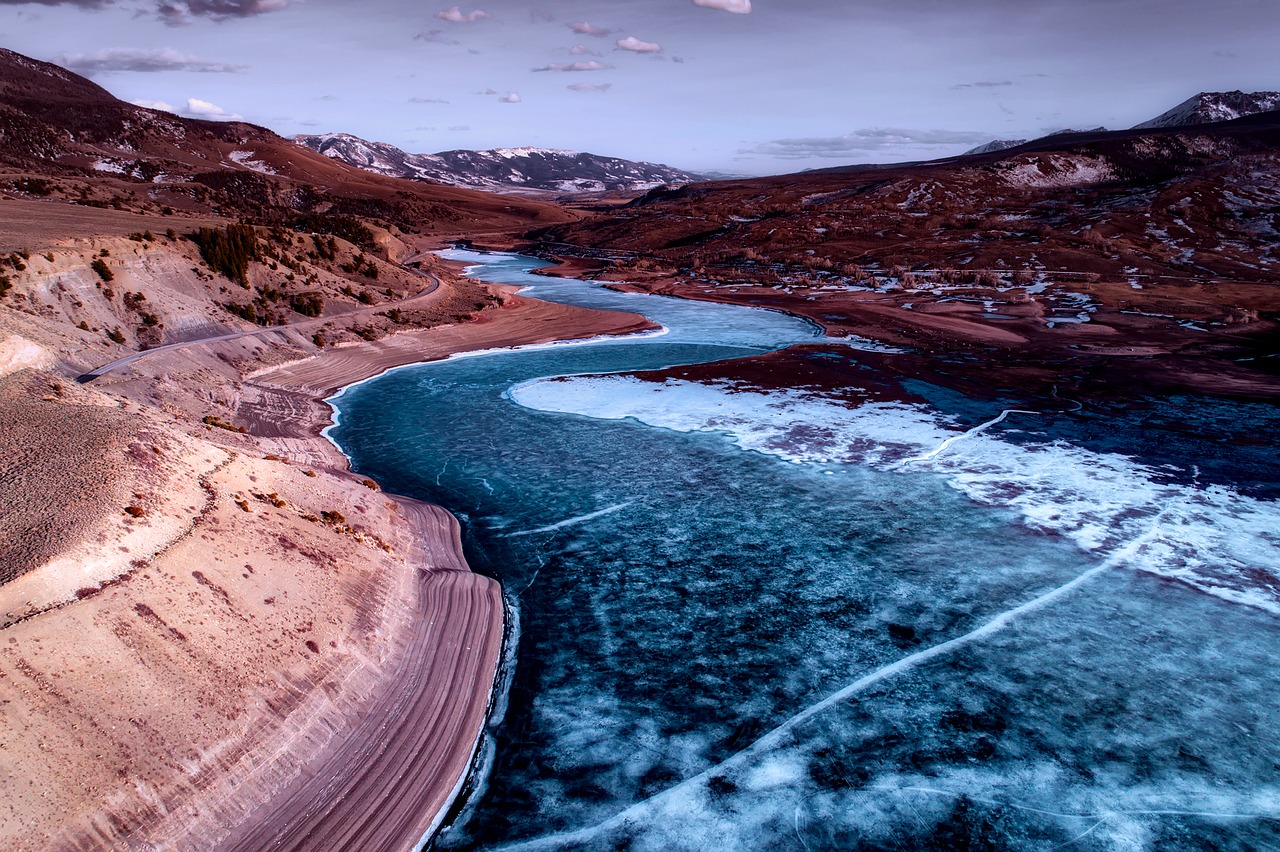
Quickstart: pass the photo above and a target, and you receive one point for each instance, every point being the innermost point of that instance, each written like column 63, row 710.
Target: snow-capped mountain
column 500, row 169
column 1208, row 107
column 996, row 145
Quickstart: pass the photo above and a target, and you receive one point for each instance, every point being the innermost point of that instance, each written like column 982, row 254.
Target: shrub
column 116, row 335
column 308, row 304
column 104, row 272
column 5, row 286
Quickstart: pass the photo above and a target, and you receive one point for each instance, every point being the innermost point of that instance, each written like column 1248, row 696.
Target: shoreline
column 262, row 672
column 323, row 379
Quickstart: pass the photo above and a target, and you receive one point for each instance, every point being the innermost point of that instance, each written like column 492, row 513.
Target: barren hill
column 84, row 145
column 1133, row 243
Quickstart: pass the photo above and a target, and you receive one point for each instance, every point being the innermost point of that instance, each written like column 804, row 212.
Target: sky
column 745, row 87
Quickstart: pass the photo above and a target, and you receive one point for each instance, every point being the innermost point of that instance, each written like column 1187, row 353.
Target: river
column 753, row 619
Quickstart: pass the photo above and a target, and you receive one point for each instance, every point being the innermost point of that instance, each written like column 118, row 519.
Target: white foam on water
column 1215, row 539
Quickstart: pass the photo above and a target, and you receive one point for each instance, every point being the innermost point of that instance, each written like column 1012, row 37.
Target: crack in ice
column 980, row 428
column 774, row 738
column 569, row 522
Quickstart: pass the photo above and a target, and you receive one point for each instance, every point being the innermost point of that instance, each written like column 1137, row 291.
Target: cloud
column 583, row 28
column 589, row 87
column 427, row 101
column 177, row 12
column 589, row 65
column 984, row 84
column 582, row 50
column 197, row 108
column 163, row 106
column 510, row 98
column 738, row 7
column 460, row 128
column 83, row 4
column 455, row 15
column 868, row 141
column 435, row 37
column 135, row 59
column 635, row 45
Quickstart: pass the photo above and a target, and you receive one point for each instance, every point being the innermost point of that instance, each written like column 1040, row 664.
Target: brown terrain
column 213, row 635
column 1150, row 255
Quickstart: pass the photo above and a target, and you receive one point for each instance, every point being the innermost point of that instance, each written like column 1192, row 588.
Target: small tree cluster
column 229, row 251
column 104, row 272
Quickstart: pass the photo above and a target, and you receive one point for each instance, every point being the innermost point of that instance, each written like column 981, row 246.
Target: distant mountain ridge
column 500, row 169
column 1204, row 108
column 1210, row 107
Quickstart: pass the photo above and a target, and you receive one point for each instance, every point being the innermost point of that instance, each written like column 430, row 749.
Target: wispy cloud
column 416, row 100
column 510, row 98
column 984, row 84
column 589, row 87
column 635, row 45
column 435, row 37
column 589, row 65
column 135, row 59
column 198, row 108
column 868, row 141
column 738, row 7
column 584, row 28
column 582, row 50
column 454, row 14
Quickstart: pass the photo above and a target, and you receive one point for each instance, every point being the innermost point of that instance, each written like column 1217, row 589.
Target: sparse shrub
column 365, row 297
column 218, row 422
column 135, row 511
column 34, row 186
column 308, row 304
column 370, row 484
column 48, row 256
column 318, row 340
column 83, row 326
column 333, row 517
column 5, row 286
column 104, row 272
column 104, row 253
column 116, row 335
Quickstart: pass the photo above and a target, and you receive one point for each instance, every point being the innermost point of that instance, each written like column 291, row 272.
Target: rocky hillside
column 500, row 169
column 1167, row 201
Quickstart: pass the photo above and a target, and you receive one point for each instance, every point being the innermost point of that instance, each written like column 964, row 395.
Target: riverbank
column 270, row 651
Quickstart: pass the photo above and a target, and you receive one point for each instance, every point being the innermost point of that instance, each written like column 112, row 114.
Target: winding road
column 99, row 372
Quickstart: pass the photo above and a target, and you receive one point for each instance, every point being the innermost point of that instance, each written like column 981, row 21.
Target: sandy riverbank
column 272, row 652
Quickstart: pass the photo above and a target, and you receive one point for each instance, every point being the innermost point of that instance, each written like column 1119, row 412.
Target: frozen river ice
column 776, row 620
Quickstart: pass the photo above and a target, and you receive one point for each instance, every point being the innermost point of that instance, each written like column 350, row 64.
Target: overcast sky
column 738, row 86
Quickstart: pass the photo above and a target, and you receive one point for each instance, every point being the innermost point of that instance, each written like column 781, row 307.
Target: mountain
column 87, row 146
column 500, row 169
column 996, row 145
column 1210, row 107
